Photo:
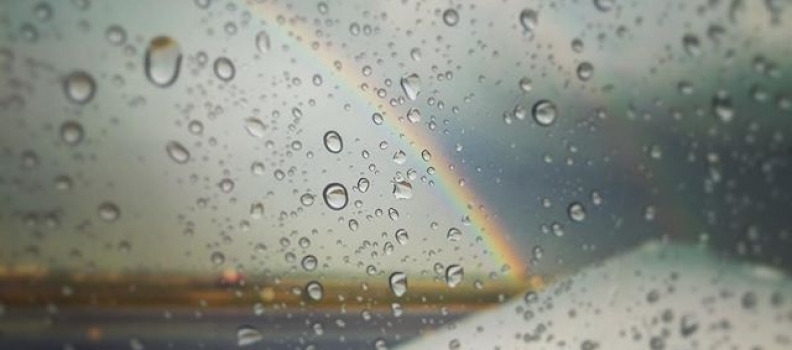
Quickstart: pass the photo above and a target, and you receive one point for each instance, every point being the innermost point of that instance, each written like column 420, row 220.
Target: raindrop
column 722, row 107
column 255, row 127
column 333, row 142
column 224, row 69
column 604, row 5
column 398, row 283
column 414, row 115
column 450, row 17
column 177, row 152
column 544, row 112
column 399, row 157
column 402, row 237
column 108, row 212
column 454, row 275
column 79, row 87
column 217, row 258
column 526, row 84
column 116, row 35
column 335, row 196
column 402, row 190
column 585, row 70
column 529, row 19
column 415, row 54
column 692, row 45
column 454, row 234
column 162, row 61
column 411, row 85
column 309, row 263
column 314, row 290
column 71, row 132
column 307, row 199
column 262, row 41
column 247, row 335
column 363, row 184
column 576, row 212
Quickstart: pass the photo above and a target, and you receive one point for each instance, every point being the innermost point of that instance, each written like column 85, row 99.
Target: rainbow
column 493, row 233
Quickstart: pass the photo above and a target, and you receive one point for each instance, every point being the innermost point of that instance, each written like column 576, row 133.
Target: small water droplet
column 402, row 190
column 224, row 69
column 454, row 234
column 454, row 275
column 309, row 263
column 402, row 237
column 79, row 87
column 411, row 85
column 399, row 157
column 177, row 152
column 333, row 142
column 307, row 199
column 604, row 5
column 529, row 20
column 248, row 335
column 414, row 115
column 415, row 54
column 363, row 184
column 116, row 35
column 109, row 211
column 398, row 283
column 262, row 42
column 217, row 258
column 255, row 127
column 576, row 212
column 692, row 45
column 71, row 132
column 450, row 17
column 162, row 61
column 335, row 196
column 722, row 107
column 585, row 70
column 544, row 112
column 314, row 290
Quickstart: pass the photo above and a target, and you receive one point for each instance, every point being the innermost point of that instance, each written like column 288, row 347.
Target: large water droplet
column 529, row 19
column 79, row 87
column 454, row 275
column 450, row 17
column 335, row 196
column 224, row 69
column 162, row 61
column 411, row 85
column 398, row 283
column 247, row 335
column 177, row 152
column 314, row 290
column 333, row 142
column 262, row 41
column 544, row 112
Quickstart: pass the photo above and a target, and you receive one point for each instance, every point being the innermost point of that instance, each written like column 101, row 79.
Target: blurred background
column 365, row 174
